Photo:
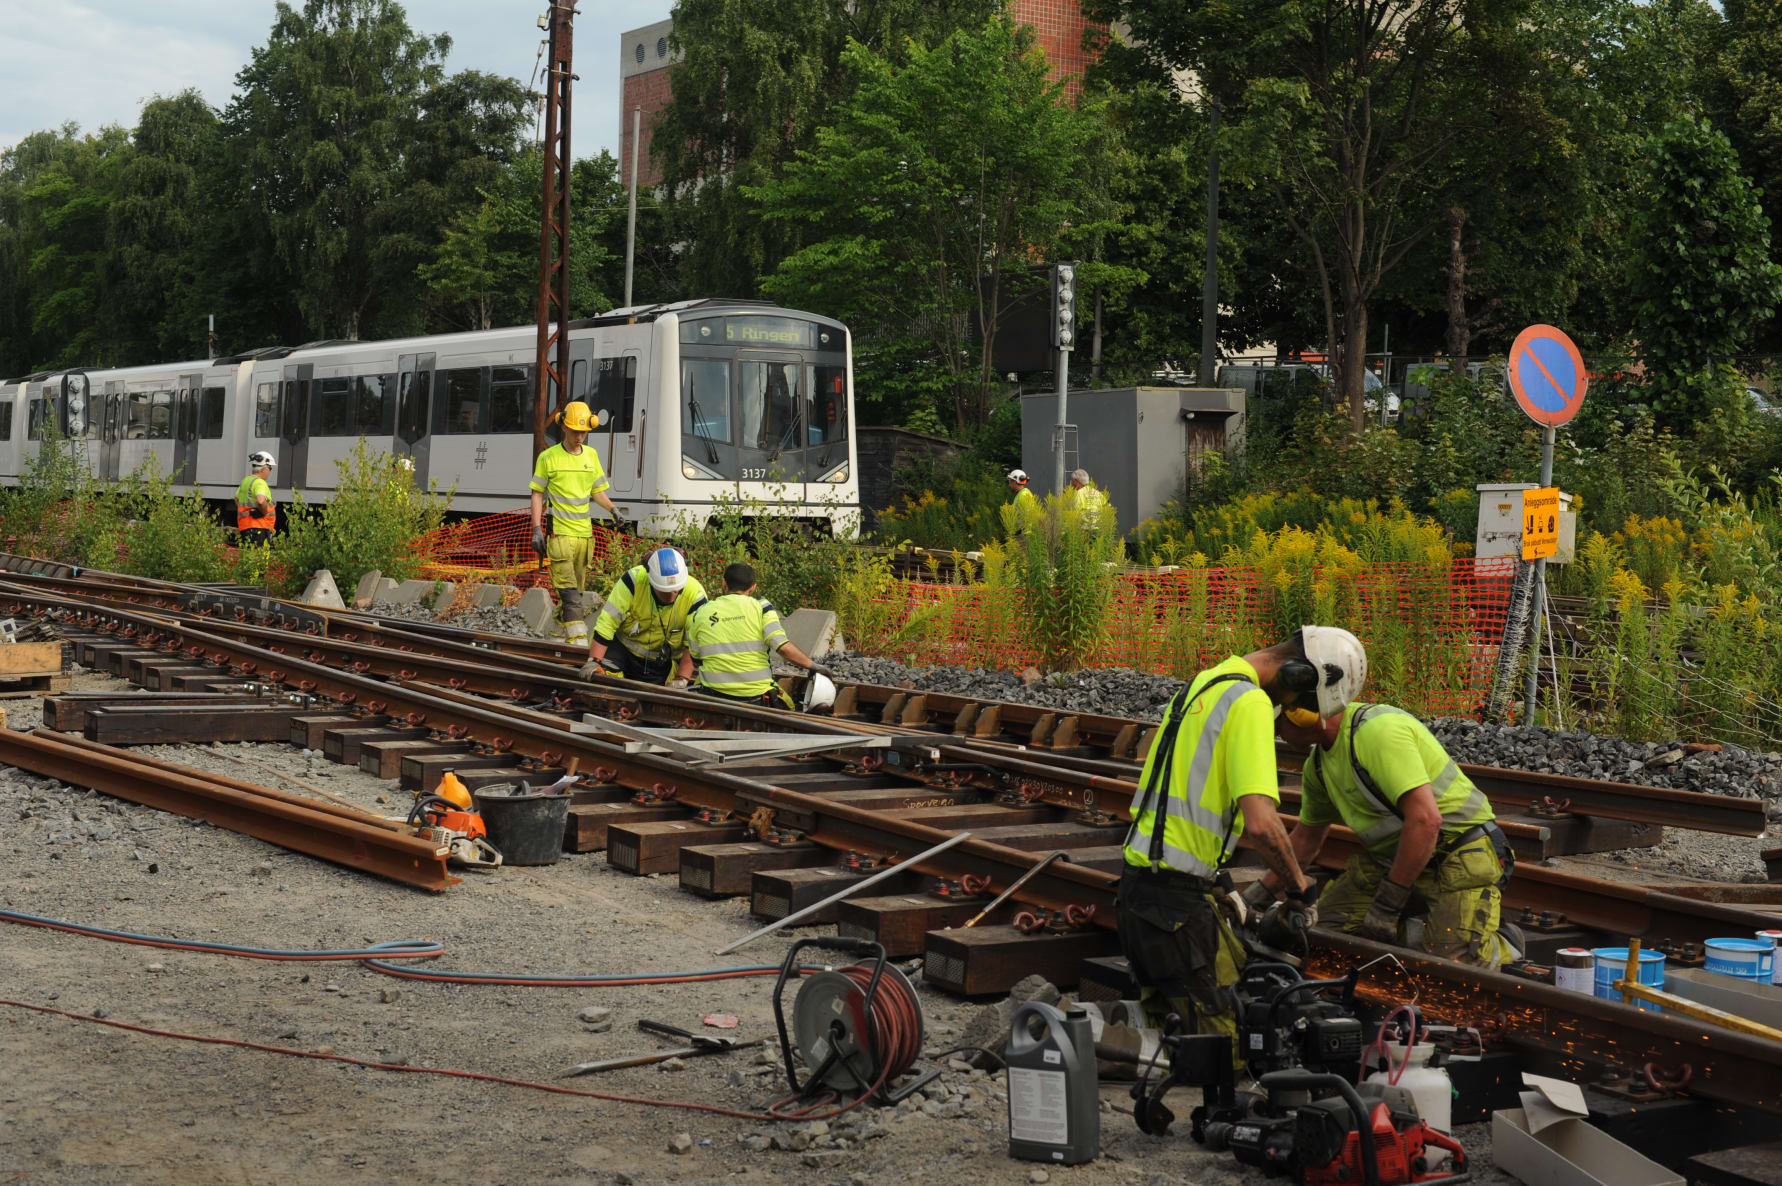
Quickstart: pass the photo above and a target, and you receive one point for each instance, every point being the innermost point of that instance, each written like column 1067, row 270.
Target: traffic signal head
column 1064, row 305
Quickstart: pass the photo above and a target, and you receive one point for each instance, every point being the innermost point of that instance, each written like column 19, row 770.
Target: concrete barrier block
column 366, row 593
column 537, row 608
column 814, row 632
column 486, row 595
column 322, row 592
column 447, row 591
column 385, row 588
column 410, row 592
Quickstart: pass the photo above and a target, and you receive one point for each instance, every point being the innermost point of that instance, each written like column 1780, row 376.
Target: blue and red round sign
column 1547, row 375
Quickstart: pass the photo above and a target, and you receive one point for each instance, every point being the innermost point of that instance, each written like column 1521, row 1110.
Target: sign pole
column 1531, row 690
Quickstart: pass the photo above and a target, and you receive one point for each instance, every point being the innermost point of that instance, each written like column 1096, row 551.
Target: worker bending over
column 1424, row 829
column 1024, row 512
column 255, row 516
column 569, row 478
column 651, row 631
column 1209, row 780
column 732, row 639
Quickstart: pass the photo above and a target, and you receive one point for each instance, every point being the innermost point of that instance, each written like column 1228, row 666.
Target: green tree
column 938, row 176
column 755, row 80
column 67, row 207
column 1702, row 277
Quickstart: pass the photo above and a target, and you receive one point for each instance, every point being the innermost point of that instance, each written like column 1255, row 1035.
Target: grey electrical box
column 1137, row 443
column 1500, row 523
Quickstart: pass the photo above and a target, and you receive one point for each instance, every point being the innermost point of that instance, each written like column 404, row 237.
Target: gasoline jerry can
column 1054, row 1103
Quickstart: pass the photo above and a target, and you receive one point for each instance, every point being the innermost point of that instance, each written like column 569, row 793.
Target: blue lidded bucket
column 1748, row 959
column 1611, row 965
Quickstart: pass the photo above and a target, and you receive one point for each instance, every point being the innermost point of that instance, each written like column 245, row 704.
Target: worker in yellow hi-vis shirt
column 569, row 478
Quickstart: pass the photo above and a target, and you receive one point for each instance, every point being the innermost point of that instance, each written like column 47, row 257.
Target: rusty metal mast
column 553, row 235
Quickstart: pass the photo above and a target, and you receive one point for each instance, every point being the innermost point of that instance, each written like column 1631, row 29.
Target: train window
column 510, row 399
column 210, row 415
column 373, row 405
column 828, row 417
column 266, row 410
column 292, row 409
column 330, row 415
column 160, row 417
column 578, row 380
column 39, row 416
column 615, row 389
column 5, row 420
column 136, row 416
column 186, row 413
column 461, row 409
column 705, row 393
column 767, row 405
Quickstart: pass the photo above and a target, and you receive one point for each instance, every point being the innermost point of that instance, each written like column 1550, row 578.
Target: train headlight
column 689, row 469
column 835, row 475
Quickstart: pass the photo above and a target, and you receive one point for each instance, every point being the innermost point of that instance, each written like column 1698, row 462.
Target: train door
column 615, row 392
column 414, row 400
column 185, row 429
column 10, row 399
column 292, row 471
column 108, row 413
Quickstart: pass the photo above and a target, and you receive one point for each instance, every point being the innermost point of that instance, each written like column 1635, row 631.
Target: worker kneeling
column 651, row 630
column 1425, row 831
column 732, row 640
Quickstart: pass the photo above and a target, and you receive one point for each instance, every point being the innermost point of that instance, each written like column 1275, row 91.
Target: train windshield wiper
column 699, row 429
column 786, row 436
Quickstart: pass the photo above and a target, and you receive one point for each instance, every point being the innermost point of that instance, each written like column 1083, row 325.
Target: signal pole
column 553, row 235
column 1064, row 339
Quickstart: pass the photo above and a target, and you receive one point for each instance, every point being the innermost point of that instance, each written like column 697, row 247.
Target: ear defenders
column 1299, row 675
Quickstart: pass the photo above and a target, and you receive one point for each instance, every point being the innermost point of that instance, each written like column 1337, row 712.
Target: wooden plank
column 33, row 658
column 383, row 759
column 475, row 780
column 217, row 681
column 724, row 870
column 422, row 772
column 975, row 815
column 160, row 678
column 343, row 745
column 646, row 848
column 136, row 667
column 173, row 726
column 114, row 658
column 35, row 685
column 307, row 728
column 827, row 778
column 1044, row 837
column 991, row 959
column 775, row 893
column 902, row 921
column 588, row 822
column 66, row 711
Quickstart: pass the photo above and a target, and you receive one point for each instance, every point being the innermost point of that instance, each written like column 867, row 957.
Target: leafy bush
column 797, row 565
column 1065, row 572
column 965, row 515
column 174, row 538
column 371, row 521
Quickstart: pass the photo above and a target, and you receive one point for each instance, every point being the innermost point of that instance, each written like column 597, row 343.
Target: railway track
column 818, row 804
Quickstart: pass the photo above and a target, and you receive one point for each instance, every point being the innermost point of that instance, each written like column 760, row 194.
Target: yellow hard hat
column 577, row 418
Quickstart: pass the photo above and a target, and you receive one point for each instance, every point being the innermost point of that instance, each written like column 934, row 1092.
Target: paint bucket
column 1748, row 959
column 1775, row 938
column 1574, row 970
column 1611, row 965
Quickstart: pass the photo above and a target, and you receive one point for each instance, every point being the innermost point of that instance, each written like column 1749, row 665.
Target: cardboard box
column 1549, row 1142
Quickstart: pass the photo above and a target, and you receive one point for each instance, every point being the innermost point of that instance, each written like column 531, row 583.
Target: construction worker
column 255, row 515
column 1425, row 831
column 1089, row 501
column 652, row 631
column 1025, row 510
column 1208, row 781
column 569, row 477
column 731, row 639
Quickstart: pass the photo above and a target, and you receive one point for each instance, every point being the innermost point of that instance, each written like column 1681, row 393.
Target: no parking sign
column 1547, row 375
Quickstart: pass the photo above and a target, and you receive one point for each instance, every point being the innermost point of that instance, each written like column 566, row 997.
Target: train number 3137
column 753, row 475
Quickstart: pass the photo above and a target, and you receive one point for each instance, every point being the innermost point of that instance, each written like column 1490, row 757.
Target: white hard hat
column 1341, row 662
column 1018, row 475
column 262, row 458
column 819, row 692
column 668, row 570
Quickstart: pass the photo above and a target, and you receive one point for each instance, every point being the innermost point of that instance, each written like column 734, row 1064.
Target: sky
column 98, row 61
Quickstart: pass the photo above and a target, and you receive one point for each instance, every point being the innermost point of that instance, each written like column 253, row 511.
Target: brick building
column 645, row 58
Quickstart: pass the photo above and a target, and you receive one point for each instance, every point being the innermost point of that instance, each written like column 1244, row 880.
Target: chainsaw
column 446, row 823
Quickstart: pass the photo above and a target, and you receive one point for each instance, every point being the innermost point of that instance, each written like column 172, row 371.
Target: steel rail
column 367, row 844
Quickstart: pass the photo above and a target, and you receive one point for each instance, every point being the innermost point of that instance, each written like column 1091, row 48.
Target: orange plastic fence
column 498, row 548
column 1432, row 638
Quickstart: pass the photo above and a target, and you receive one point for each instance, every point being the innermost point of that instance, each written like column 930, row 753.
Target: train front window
column 828, row 417
column 767, row 406
column 705, row 398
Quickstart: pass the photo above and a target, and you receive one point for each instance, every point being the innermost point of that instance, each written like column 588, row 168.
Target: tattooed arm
column 1268, row 836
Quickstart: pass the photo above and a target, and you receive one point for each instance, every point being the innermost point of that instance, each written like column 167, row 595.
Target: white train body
column 707, row 403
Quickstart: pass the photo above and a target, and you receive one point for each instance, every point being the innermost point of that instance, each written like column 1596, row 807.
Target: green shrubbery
column 371, row 521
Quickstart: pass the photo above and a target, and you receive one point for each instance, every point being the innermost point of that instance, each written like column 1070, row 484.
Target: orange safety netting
column 1432, row 636
column 497, row 548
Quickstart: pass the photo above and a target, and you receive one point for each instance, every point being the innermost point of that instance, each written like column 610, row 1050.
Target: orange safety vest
column 248, row 515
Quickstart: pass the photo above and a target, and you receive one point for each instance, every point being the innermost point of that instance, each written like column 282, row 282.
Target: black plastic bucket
column 526, row 827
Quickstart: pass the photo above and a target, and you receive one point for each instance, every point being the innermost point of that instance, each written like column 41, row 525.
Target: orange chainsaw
column 444, row 822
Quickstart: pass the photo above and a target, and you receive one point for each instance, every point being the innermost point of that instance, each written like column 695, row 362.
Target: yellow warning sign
column 1540, row 523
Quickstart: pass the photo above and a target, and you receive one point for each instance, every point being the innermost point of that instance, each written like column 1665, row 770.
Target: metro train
column 703, row 403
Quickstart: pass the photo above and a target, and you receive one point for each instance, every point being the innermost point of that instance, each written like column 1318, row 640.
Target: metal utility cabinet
column 1137, row 443
column 1500, row 522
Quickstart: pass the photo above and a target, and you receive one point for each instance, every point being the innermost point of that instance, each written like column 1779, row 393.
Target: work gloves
column 1285, row 924
column 594, row 667
column 819, row 669
column 678, row 684
column 1258, row 897
column 538, row 541
column 1381, row 923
